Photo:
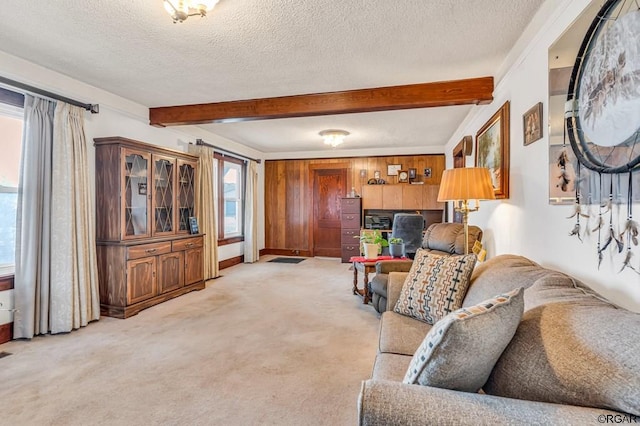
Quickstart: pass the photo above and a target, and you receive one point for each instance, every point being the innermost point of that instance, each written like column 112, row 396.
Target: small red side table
column 366, row 266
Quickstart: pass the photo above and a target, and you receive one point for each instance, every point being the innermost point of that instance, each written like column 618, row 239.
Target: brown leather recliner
column 443, row 238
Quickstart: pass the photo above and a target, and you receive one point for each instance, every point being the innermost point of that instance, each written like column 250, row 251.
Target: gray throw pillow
column 461, row 349
column 435, row 285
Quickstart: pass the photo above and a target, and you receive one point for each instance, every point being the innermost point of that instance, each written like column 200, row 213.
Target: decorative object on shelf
column 412, row 173
column 392, row 169
column 403, row 176
column 142, row 188
column 492, row 150
column 396, row 247
column 374, row 181
column 463, row 184
column 180, row 10
column 333, row 137
column 532, row 124
column 193, row 225
column 427, row 172
column 602, row 123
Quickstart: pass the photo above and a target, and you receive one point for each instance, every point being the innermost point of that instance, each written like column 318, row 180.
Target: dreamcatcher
column 602, row 117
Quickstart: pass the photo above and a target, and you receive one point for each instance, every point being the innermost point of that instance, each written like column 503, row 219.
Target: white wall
column 526, row 224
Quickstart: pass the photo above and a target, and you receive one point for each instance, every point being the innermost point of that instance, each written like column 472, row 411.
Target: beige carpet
column 267, row 343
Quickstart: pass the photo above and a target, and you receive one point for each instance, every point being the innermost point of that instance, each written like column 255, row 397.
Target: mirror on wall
column 564, row 174
column 562, row 56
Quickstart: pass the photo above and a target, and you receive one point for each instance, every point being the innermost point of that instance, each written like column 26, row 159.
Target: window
column 231, row 199
column 11, row 145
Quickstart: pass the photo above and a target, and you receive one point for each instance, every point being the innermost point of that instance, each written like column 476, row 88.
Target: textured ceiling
column 250, row 49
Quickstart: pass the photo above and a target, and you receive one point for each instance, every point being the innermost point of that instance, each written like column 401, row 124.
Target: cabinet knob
column 188, row 244
column 151, row 250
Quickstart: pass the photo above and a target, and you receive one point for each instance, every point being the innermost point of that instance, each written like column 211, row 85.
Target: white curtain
column 33, row 226
column 251, row 252
column 74, row 275
column 56, row 286
column 207, row 209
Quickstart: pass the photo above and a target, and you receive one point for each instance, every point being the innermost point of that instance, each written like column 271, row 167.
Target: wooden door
column 372, row 197
column 170, row 271
column 392, row 196
column 193, row 265
column 329, row 186
column 141, row 279
column 460, row 153
column 412, row 197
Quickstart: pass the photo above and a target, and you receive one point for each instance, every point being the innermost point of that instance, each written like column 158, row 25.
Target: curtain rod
column 234, row 154
column 94, row 108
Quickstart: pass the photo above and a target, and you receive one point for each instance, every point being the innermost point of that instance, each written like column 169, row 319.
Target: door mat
column 287, row 260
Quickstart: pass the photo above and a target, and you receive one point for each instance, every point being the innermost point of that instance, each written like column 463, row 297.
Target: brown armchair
column 443, row 238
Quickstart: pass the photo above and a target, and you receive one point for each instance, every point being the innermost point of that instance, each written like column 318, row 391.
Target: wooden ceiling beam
column 425, row 95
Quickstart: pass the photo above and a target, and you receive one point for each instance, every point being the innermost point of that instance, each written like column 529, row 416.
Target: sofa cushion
column 502, row 274
column 461, row 349
column 449, row 237
column 435, row 286
column 400, row 334
column 571, row 348
column 390, row 367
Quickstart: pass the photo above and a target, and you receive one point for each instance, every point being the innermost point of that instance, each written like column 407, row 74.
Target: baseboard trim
column 286, row 252
column 6, row 282
column 227, row 263
column 6, row 332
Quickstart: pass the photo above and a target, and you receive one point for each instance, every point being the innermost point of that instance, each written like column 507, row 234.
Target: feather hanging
column 627, row 262
column 599, row 225
column 576, row 231
column 578, row 212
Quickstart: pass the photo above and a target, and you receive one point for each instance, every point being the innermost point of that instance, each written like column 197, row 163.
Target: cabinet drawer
column 349, row 250
column 187, row 243
column 351, row 205
column 350, row 220
column 349, row 236
column 144, row 250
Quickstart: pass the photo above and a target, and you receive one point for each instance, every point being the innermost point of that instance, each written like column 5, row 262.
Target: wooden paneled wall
column 288, row 198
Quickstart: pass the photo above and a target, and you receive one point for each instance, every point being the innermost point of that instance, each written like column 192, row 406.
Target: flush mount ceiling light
column 180, row 10
column 333, row 137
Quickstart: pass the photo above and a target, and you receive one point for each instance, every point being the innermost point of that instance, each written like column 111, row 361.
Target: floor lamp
column 462, row 185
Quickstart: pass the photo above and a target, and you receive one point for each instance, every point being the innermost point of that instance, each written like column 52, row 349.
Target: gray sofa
column 442, row 238
column 574, row 358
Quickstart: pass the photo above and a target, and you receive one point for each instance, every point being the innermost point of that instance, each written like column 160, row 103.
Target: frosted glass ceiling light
column 333, row 137
column 180, row 10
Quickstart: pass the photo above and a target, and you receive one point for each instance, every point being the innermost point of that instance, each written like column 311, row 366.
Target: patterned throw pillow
column 461, row 349
column 435, row 285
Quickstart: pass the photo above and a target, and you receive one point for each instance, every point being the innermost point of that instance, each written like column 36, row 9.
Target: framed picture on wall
column 532, row 124
column 392, row 169
column 492, row 150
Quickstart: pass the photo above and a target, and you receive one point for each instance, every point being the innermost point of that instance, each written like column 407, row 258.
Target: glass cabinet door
column 136, row 197
column 163, row 190
column 186, row 193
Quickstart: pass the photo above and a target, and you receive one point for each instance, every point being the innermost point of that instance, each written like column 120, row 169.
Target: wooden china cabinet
column 145, row 196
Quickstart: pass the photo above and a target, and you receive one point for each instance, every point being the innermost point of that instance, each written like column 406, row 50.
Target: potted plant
column 372, row 243
column 396, row 247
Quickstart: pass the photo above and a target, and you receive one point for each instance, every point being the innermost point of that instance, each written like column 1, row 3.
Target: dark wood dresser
column 350, row 227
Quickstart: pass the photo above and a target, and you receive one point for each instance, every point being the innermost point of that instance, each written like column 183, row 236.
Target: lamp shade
column 466, row 183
